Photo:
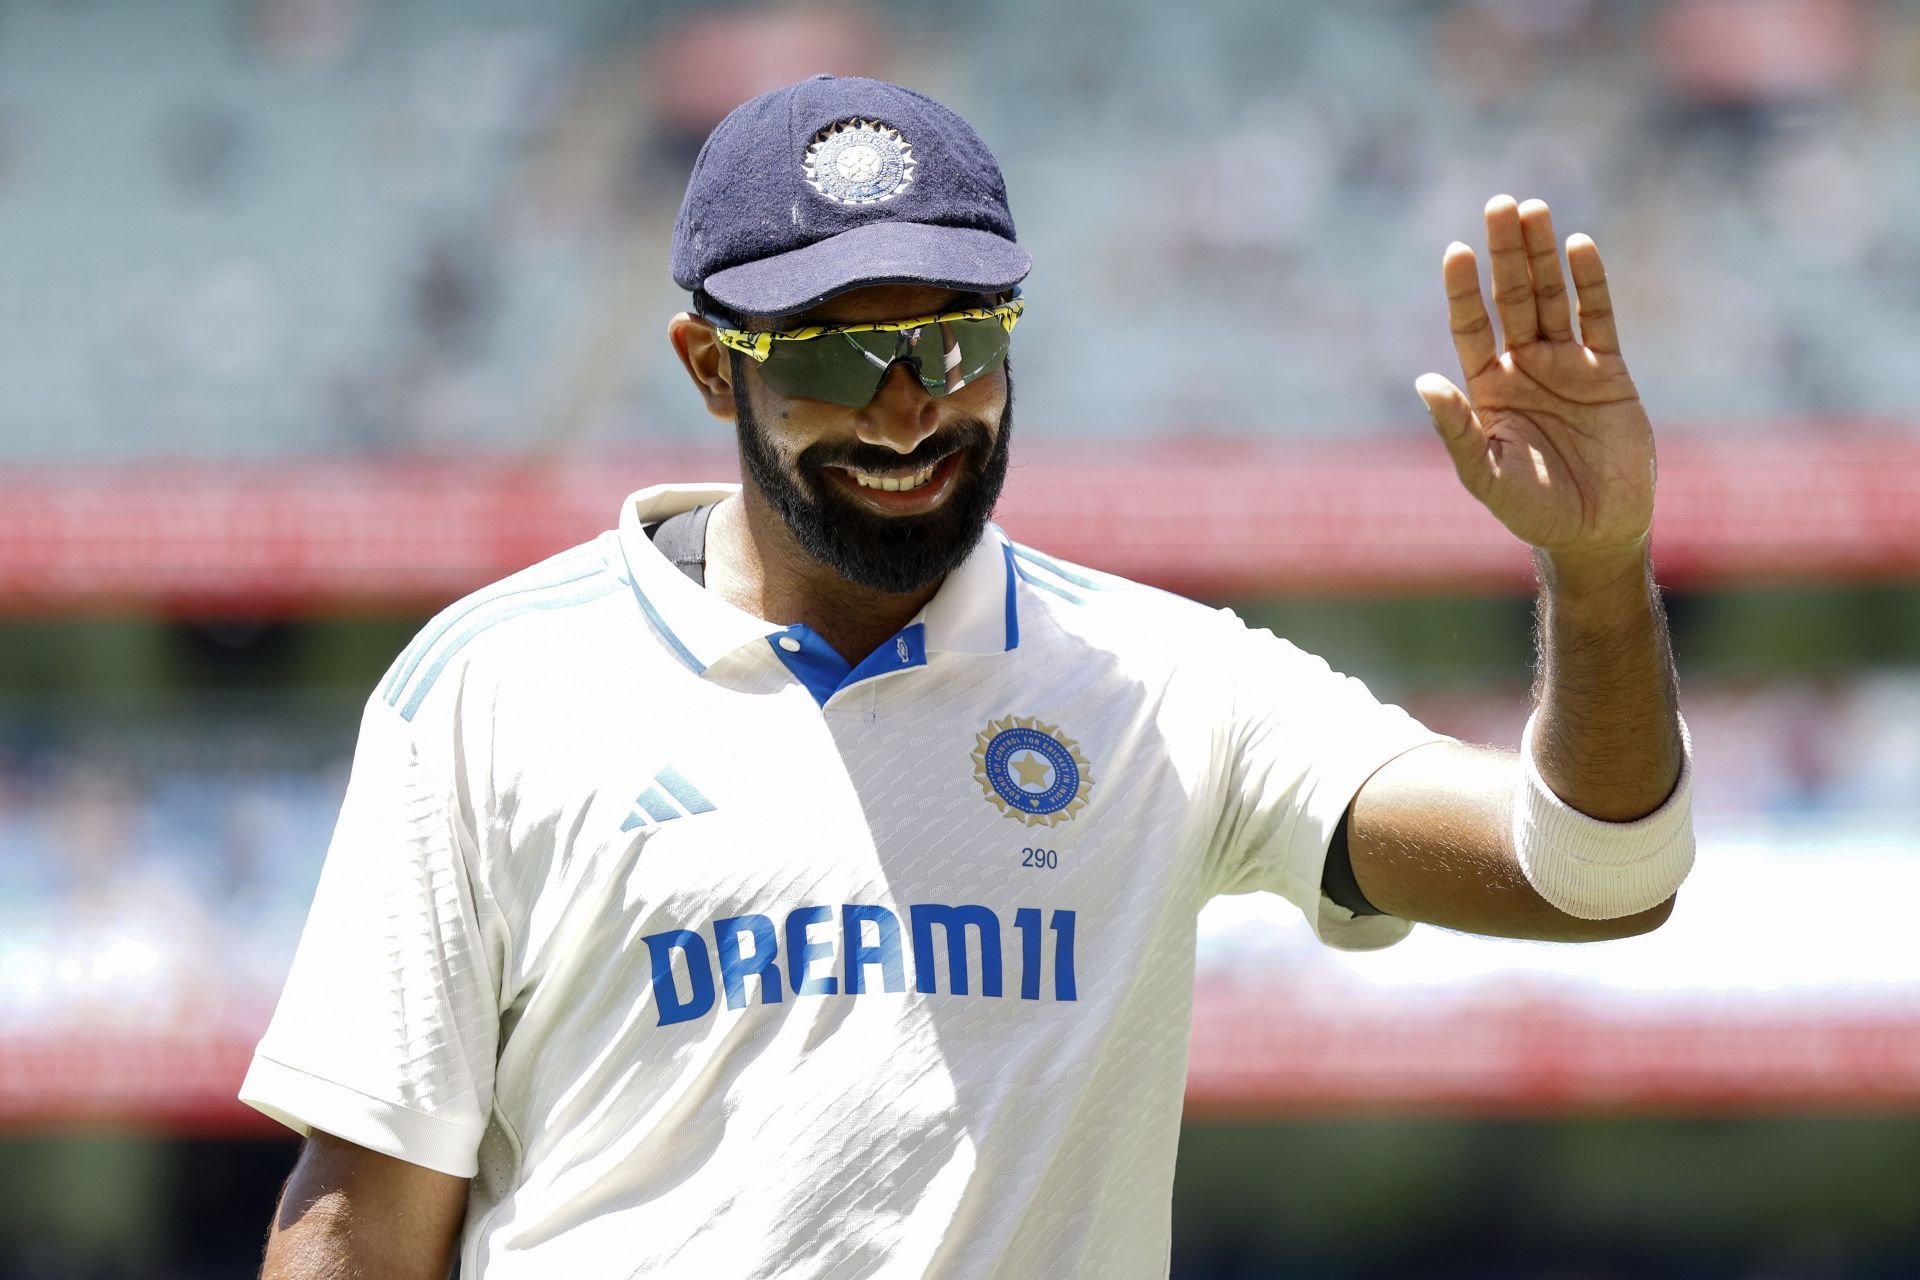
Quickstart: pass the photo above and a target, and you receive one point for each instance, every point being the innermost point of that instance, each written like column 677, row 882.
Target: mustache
column 970, row 435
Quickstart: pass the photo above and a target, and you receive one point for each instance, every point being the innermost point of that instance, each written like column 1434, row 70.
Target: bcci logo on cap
column 1031, row 770
column 859, row 162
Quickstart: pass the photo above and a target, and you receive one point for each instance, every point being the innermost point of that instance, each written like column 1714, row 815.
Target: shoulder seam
column 1044, row 573
column 1033, row 579
column 1073, row 576
column 570, row 566
column 505, row 607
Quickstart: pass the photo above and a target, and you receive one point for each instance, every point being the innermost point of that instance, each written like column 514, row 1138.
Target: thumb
column 1454, row 419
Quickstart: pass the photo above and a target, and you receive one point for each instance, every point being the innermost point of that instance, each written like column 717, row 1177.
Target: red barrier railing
column 1255, row 1054
column 1204, row 520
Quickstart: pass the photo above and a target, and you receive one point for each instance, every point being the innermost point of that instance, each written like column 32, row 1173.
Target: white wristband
column 1602, row 870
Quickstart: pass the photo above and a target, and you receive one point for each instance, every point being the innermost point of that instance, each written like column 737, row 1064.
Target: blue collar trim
column 821, row 669
column 1013, row 600
column 660, row 627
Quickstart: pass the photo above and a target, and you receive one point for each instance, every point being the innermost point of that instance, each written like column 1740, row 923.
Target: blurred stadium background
column 315, row 314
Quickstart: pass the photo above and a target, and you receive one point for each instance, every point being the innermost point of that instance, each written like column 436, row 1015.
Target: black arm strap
column 1336, row 879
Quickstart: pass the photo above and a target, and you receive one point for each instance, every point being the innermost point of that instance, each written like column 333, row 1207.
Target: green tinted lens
column 846, row 368
column 955, row 352
column 840, row 368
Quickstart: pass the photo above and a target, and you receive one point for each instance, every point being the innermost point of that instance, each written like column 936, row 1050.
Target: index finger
column 1467, row 310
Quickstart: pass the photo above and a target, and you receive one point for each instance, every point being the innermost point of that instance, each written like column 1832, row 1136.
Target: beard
column 893, row 554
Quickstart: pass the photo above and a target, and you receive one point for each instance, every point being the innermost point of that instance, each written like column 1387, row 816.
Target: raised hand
column 1549, row 434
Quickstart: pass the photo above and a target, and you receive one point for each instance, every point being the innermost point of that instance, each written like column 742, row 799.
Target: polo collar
column 975, row 610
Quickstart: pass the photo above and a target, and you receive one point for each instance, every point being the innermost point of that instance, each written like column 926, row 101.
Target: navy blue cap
column 839, row 182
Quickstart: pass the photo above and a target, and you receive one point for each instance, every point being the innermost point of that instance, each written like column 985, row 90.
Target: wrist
column 1602, row 574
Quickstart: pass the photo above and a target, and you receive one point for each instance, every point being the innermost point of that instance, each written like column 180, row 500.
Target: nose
column 901, row 414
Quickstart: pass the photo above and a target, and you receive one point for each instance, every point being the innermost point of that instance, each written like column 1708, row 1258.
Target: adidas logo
column 656, row 804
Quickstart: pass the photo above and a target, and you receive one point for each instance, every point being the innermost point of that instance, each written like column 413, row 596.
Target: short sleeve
column 1300, row 742
column 386, row 1030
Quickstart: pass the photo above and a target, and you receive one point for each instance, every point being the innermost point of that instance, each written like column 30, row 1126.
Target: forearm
column 1607, row 730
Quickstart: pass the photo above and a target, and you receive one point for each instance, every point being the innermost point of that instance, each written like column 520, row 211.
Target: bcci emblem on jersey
column 1031, row 770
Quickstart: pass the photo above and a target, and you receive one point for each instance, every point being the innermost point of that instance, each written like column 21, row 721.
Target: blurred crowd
column 371, row 229
column 155, row 875
column 244, row 228
column 156, row 872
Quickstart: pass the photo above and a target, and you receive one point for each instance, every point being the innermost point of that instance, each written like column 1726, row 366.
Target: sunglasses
column 846, row 363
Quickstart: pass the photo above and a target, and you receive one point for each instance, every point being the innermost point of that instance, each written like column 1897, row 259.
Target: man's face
column 822, row 466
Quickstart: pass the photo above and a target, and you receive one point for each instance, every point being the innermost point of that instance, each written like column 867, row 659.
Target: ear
column 705, row 360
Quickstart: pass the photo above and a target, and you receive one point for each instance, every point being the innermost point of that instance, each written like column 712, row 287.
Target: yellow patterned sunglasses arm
column 760, row 345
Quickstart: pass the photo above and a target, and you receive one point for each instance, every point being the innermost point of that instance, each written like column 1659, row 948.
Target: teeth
column 892, row 485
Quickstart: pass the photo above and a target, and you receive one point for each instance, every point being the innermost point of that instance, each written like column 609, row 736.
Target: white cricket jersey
column 704, row 955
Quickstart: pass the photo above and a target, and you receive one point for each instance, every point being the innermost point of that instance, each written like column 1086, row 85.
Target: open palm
column 1549, row 434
